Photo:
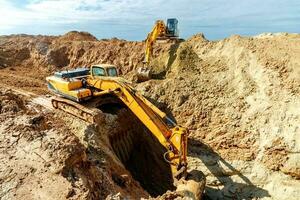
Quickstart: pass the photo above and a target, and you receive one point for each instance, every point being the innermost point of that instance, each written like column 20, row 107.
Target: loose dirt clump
column 276, row 155
column 10, row 103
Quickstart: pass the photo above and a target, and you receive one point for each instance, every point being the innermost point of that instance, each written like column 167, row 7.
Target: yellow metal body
column 173, row 139
column 159, row 30
column 71, row 88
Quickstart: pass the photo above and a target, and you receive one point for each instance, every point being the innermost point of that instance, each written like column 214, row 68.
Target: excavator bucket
column 143, row 74
column 192, row 186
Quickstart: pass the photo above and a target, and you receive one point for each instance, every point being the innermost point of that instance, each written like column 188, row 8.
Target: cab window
column 98, row 71
column 112, row 71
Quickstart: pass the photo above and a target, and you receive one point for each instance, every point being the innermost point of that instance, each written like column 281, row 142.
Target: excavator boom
column 159, row 30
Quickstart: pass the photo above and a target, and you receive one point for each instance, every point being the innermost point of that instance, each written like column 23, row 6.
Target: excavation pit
column 139, row 151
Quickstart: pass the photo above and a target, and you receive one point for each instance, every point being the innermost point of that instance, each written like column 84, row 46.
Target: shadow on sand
column 220, row 169
column 216, row 166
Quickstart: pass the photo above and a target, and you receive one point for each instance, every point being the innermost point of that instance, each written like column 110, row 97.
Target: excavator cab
column 172, row 27
column 104, row 70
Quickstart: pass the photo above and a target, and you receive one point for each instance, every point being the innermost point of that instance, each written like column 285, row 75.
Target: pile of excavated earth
column 239, row 98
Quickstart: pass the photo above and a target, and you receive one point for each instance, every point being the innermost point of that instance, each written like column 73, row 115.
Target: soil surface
column 239, row 97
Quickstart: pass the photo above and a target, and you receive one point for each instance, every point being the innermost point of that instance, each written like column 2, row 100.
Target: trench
column 138, row 150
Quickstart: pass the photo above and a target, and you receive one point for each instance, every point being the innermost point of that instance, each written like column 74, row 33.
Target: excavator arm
column 173, row 139
column 158, row 30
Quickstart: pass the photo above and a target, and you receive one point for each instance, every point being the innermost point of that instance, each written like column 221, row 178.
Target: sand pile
column 77, row 36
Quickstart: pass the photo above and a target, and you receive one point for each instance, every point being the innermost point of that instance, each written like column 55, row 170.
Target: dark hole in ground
column 111, row 108
column 139, row 151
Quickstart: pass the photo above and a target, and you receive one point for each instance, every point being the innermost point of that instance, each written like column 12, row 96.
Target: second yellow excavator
column 160, row 31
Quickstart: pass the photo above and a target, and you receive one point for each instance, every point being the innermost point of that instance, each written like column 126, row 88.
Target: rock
column 36, row 120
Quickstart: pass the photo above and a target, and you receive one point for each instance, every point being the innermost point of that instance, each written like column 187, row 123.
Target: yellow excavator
column 80, row 91
column 160, row 31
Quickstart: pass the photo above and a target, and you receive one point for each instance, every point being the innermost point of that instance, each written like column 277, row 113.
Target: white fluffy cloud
column 218, row 17
column 72, row 11
column 57, row 11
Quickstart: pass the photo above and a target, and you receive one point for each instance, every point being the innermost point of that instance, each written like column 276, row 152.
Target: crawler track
column 91, row 115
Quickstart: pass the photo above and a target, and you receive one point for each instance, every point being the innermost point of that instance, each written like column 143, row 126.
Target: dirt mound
column 77, row 36
column 10, row 103
column 48, row 54
column 13, row 55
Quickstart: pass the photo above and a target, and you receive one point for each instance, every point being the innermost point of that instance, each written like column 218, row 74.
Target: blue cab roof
column 73, row 73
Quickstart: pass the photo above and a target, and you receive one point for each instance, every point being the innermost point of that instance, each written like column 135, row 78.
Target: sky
column 133, row 19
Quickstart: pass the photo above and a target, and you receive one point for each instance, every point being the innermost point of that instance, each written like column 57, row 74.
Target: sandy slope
column 240, row 97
